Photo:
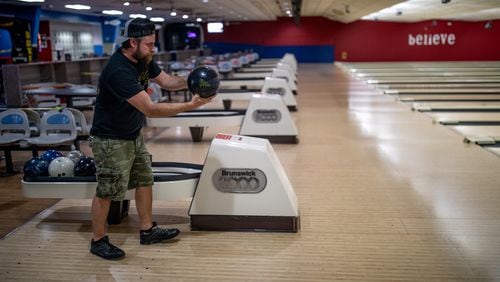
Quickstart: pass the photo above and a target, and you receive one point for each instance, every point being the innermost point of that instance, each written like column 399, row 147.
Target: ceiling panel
column 344, row 10
column 267, row 10
column 420, row 10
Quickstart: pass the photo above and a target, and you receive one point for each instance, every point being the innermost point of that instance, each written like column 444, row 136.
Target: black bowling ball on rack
column 85, row 167
column 203, row 81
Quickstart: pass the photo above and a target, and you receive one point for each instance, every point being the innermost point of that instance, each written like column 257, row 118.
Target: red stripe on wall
column 373, row 41
column 276, row 33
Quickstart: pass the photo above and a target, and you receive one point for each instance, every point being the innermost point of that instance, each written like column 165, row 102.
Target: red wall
column 369, row 40
column 312, row 31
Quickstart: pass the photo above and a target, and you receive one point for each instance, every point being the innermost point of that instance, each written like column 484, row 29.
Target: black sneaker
column 104, row 249
column 157, row 234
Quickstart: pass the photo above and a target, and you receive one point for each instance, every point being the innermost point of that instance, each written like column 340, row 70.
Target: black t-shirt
column 120, row 80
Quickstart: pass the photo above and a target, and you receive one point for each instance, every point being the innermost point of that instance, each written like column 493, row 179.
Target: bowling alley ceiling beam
column 296, row 10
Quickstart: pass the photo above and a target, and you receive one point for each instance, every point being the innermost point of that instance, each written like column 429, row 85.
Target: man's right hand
column 197, row 101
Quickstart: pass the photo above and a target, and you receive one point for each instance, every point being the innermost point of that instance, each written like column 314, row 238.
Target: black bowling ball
column 203, row 81
column 85, row 167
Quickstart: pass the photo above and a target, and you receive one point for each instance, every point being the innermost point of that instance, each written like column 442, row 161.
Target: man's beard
column 142, row 59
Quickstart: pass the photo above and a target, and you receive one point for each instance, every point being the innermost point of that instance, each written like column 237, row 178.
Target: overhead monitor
column 216, row 27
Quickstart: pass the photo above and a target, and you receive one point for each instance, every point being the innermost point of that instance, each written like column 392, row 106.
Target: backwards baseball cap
column 136, row 28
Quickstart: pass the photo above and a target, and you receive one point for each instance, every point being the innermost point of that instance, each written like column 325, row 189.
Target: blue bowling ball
column 36, row 167
column 85, row 167
column 203, row 81
column 50, row 155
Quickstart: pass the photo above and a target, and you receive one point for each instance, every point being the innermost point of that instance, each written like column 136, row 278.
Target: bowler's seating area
column 46, row 101
column 51, row 101
column 84, row 103
column 56, row 129
column 14, row 126
column 156, row 93
column 34, row 120
column 42, row 101
column 82, row 126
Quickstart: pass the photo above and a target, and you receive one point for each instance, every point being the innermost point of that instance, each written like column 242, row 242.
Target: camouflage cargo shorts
column 121, row 165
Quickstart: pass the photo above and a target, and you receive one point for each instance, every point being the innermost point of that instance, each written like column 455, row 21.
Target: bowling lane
column 457, row 106
column 437, row 85
column 434, row 80
column 443, row 91
column 467, row 117
column 481, row 134
column 448, row 98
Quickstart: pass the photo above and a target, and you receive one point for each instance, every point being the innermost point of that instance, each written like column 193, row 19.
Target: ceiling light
column 185, row 16
column 112, row 12
column 77, row 7
column 198, row 19
column 205, row 1
column 157, row 19
column 149, row 8
column 32, row 1
column 126, row 4
column 135, row 16
column 173, row 13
